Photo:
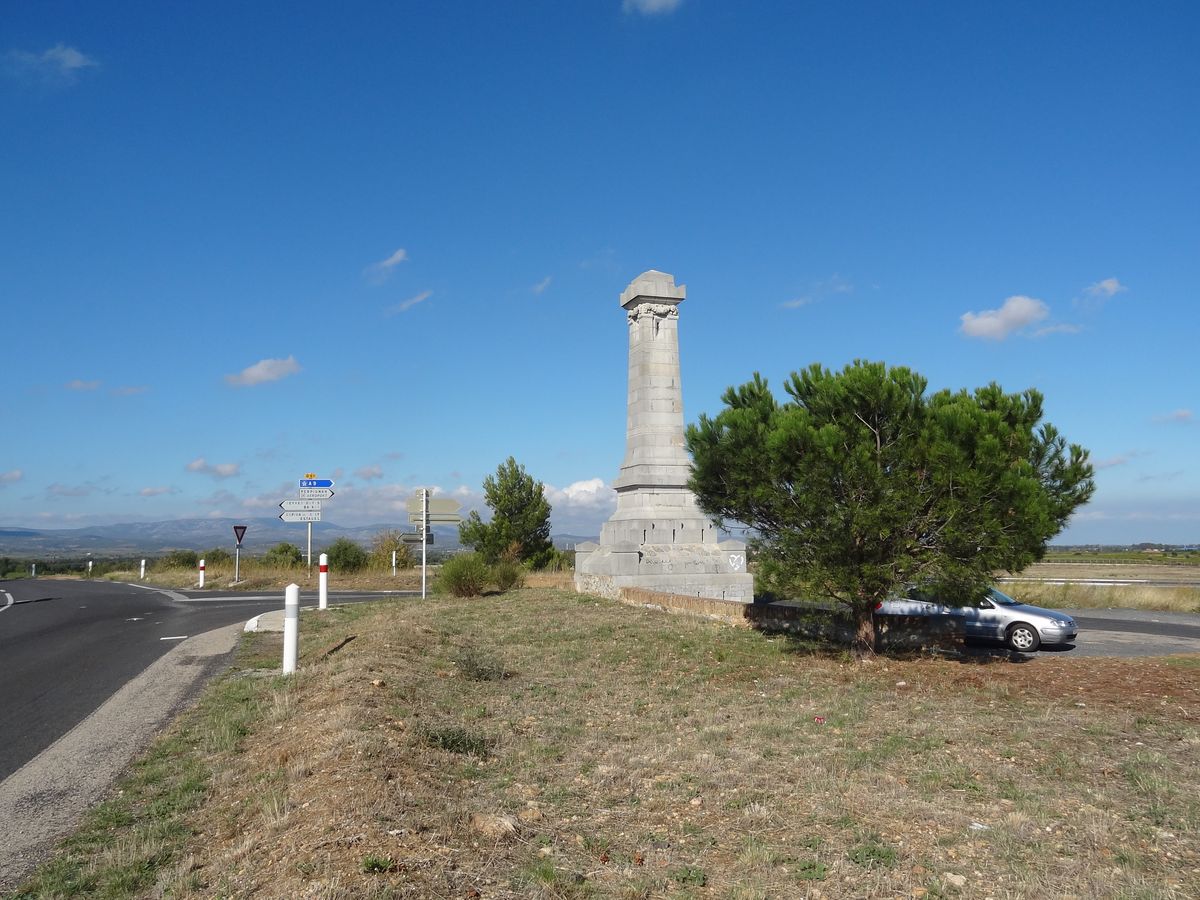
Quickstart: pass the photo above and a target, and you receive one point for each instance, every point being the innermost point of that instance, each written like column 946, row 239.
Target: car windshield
column 1001, row 599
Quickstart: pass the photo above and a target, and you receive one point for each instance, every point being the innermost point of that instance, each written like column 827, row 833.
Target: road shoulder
column 50, row 793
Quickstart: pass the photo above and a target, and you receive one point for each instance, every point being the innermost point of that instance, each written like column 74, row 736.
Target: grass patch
column 642, row 754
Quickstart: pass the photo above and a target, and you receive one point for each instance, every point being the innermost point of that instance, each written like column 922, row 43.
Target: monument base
column 712, row 571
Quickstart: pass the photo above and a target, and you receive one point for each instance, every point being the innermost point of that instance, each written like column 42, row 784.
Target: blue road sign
column 315, row 482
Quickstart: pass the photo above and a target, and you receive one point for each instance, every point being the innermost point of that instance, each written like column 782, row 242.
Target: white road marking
column 135, row 619
column 9, row 603
column 178, row 637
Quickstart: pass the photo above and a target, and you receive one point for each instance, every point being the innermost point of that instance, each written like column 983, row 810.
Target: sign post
column 307, row 508
column 239, row 532
column 424, row 511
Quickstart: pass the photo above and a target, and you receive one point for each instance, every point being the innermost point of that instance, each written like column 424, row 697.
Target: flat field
column 545, row 744
column 1109, row 585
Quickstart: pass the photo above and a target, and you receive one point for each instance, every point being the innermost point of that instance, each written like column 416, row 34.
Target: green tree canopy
column 284, row 555
column 344, row 555
column 520, row 527
column 862, row 483
column 384, row 544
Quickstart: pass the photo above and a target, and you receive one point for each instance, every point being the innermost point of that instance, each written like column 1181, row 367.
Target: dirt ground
column 544, row 745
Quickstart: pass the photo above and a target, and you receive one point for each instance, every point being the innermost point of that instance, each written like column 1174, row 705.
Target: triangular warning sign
column 239, row 532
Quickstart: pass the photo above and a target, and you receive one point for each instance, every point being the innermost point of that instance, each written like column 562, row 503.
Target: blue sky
column 384, row 242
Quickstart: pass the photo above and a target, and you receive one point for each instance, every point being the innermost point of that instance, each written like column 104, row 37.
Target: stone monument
column 658, row 539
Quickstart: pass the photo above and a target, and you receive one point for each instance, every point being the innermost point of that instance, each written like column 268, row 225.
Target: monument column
column 658, row 538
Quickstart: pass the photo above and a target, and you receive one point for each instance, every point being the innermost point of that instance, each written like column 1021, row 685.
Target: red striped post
column 201, row 573
column 323, row 581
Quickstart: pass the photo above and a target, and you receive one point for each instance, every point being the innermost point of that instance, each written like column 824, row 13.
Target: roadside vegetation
column 1183, row 598
column 540, row 743
column 860, row 484
column 1153, row 555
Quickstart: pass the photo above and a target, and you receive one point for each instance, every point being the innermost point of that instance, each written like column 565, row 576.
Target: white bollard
column 142, row 576
column 33, row 571
column 393, row 563
column 291, row 627
column 201, row 573
column 323, row 582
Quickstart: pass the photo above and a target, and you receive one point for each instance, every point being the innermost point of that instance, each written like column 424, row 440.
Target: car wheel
column 1023, row 637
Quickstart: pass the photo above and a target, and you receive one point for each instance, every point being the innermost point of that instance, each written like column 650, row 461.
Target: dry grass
column 1092, row 596
column 626, row 753
column 257, row 577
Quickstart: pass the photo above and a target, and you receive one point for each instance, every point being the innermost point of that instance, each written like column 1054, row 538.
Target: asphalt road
column 67, row 646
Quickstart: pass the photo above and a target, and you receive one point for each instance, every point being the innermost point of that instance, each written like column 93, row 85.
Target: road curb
column 50, row 794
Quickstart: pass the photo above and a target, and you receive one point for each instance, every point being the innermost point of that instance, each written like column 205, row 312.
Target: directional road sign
column 415, row 519
column 315, row 493
column 306, row 505
column 316, row 482
column 415, row 538
column 301, row 516
column 437, row 506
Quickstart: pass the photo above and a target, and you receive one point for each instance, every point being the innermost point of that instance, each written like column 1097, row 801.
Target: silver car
column 995, row 617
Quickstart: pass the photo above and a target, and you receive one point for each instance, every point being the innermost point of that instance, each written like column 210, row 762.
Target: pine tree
column 519, row 530
column 862, row 484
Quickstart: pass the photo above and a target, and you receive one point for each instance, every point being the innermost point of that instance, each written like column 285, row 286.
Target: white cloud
column 157, row 491
column 1119, row 460
column 650, row 7
column 221, row 470
column 57, row 67
column 369, row 473
column 12, row 476
column 406, row 305
column 582, row 506
column 1107, row 288
column 1179, row 416
column 1061, row 328
column 378, row 273
column 997, row 324
column 64, row 490
column 541, row 286
column 78, row 384
column 820, row 290
column 263, row 371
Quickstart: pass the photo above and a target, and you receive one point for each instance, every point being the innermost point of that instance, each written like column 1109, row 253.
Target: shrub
column 382, row 547
column 346, row 556
column 464, row 575
column 508, row 575
column 217, row 556
column 284, row 556
column 479, row 665
column 560, row 561
column 182, row 559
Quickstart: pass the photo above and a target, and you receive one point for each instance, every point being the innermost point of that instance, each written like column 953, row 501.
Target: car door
column 984, row 620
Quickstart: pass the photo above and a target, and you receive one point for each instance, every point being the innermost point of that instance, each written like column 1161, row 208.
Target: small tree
column 862, row 484
column 284, row 556
column 218, row 556
column 345, row 555
column 520, row 527
column 384, row 544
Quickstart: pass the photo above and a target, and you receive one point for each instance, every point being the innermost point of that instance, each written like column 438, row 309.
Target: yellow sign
column 310, row 474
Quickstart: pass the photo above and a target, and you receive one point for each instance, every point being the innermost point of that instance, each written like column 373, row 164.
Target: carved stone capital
column 660, row 310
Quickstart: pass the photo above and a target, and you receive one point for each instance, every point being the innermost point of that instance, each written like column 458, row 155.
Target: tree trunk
column 864, row 632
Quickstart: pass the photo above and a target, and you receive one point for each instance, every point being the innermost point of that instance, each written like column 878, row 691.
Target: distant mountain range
column 155, row 538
